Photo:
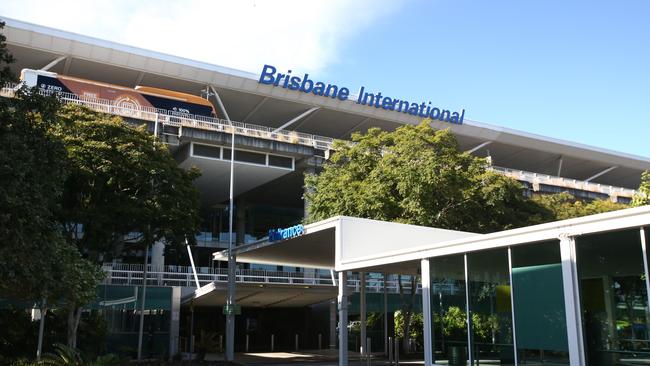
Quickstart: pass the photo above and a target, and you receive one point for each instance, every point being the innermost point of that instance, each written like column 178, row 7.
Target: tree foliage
column 417, row 175
column 565, row 206
column 31, row 181
column 122, row 181
column 642, row 196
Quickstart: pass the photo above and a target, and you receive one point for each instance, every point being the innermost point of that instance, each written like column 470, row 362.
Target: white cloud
column 244, row 34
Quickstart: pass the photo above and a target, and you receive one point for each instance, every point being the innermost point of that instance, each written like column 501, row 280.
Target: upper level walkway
column 132, row 274
column 177, row 121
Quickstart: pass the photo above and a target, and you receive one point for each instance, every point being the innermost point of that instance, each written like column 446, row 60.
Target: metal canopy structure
column 340, row 242
column 246, row 100
column 361, row 245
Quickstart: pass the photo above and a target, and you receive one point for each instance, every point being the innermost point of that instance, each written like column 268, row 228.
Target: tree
column 123, row 187
column 416, row 175
column 31, row 181
column 36, row 263
column 642, row 196
column 565, row 206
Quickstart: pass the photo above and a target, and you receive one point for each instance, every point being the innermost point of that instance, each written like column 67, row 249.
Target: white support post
column 468, row 313
column 426, row 312
column 343, row 318
column 512, row 308
column 601, row 173
column 362, row 310
column 297, row 118
column 644, row 250
column 232, row 260
column 386, row 338
column 189, row 252
column 53, row 63
column 572, row 301
column 478, row 147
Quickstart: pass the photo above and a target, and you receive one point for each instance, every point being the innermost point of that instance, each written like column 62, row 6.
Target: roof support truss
column 478, row 147
column 53, row 63
column 297, row 118
column 255, row 109
column 361, row 123
column 601, row 173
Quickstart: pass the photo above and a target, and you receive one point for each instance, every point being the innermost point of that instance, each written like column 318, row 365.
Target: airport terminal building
column 572, row 292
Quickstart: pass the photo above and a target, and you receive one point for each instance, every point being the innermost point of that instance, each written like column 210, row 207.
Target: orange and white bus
column 119, row 96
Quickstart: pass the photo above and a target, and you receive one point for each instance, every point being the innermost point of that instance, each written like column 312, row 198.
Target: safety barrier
column 176, row 119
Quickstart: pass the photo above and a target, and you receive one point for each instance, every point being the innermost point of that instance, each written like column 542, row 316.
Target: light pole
column 232, row 262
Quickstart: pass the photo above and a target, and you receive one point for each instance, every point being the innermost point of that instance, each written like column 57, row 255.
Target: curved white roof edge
column 626, row 219
column 124, row 48
column 490, row 132
column 530, row 135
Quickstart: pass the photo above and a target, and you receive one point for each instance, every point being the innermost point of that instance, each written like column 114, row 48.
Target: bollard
column 396, row 351
column 390, row 350
column 247, row 343
column 272, row 342
column 221, row 342
column 368, row 350
column 296, row 342
column 320, row 341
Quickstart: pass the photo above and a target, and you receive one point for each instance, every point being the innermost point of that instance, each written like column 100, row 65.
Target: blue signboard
column 286, row 233
column 304, row 84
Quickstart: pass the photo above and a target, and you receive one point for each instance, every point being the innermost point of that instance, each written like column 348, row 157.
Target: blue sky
column 576, row 70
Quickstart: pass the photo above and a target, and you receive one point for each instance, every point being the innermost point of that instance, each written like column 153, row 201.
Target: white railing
column 176, row 119
column 131, row 274
column 537, row 178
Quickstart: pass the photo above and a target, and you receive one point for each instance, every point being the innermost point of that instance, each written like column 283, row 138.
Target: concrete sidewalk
column 322, row 357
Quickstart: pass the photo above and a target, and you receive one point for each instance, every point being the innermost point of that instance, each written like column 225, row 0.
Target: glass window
column 448, row 307
column 280, row 161
column 538, row 298
column 489, row 303
column 207, row 151
column 613, row 298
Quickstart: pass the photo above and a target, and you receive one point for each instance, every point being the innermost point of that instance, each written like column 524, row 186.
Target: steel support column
column 426, row 312
column 343, row 318
column 572, row 301
column 362, row 310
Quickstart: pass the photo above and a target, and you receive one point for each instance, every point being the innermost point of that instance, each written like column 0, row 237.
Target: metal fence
column 180, row 120
column 564, row 182
column 132, row 274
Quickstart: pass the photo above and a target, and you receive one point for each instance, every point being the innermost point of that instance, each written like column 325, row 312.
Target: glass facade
column 538, row 299
column 513, row 305
column 489, row 306
column 614, row 299
column 448, row 307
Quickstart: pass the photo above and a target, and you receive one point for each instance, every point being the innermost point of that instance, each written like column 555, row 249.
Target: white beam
column 303, row 114
column 66, row 65
column 305, row 120
column 343, row 318
column 53, row 63
column 426, row 312
column 223, row 109
column 362, row 311
column 601, row 173
column 572, row 301
column 138, row 80
column 363, row 122
column 559, row 166
column 255, row 109
column 479, row 146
